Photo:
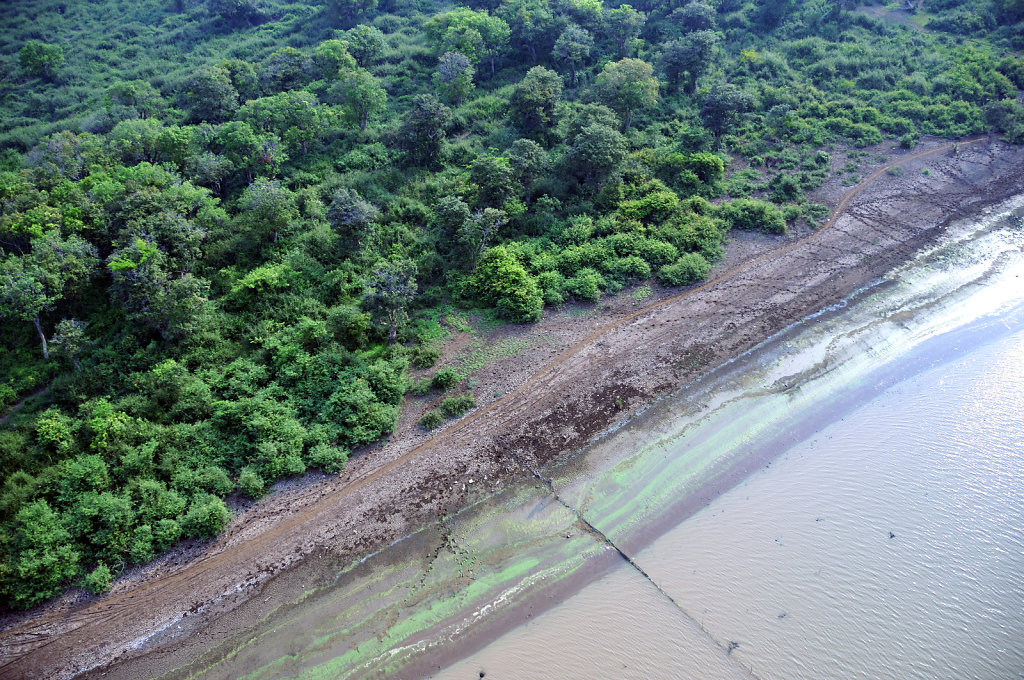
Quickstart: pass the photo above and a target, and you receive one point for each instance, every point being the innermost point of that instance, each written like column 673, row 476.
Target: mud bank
column 587, row 374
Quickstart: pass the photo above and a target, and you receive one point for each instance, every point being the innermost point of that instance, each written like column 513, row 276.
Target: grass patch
column 640, row 294
column 483, row 355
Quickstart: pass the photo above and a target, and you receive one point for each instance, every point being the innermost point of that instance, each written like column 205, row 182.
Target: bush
column 432, row 419
column 500, row 280
column 205, row 518
column 420, row 387
column 39, row 558
column 752, row 214
column 784, row 189
column 586, row 285
column 141, row 548
column 909, row 140
column 690, row 268
column 250, row 483
column 329, row 458
column 453, row 407
column 627, row 269
column 166, row 532
column 445, row 378
column 425, row 357
column 98, row 580
column 552, row 285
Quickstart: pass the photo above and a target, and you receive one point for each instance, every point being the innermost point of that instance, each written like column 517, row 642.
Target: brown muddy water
column 844, row 501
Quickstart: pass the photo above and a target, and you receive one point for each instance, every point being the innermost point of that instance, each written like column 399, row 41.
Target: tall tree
column 296, row 116
column 627, row 85
column 267, row 209
column 237, row 12
column 365, row 43
column 360, row 96
column 493, row 175
column 533, row 101
column 137, row 96
column 532, row 24
column 596, row 153
column 331, row 58
column 350, row 10
column 694, row 16
column 152, row 295
column 69, row 339
column 529, row 163
column 476, row 34
column 422, row 133
column 39, row 59
column 450, row 215
column 34, row 283
column 209, row 95
column 692, row 54
column 724, row 103
column 285, row 69
column 623, row 24
column 352, row 217
column 390, row 289
column 454, row 77
column 477, row 233
column 573, row 47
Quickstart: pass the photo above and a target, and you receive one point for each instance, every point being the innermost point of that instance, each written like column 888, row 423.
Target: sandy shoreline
column 593, row 370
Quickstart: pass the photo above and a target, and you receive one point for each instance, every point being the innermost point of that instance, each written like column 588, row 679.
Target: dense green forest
column 229, row 227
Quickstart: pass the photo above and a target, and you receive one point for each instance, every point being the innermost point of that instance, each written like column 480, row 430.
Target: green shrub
column 329, row 458
column 752, row 214
column 250, row 483
column 141, row 548
column 445, row 378
column 98, row 580
column 425, row 357
column 784, row 189
column 552, row 286
column 791, row 212
column 690, row 268
column 817, row 212
column 454, row 407
column 205, row 518
column 627, row 269
column 166, row 532
column 40, row 558
column 432, row 419
column 421, row 387
column 586, row 285
column 500, row 280
column 909, row 140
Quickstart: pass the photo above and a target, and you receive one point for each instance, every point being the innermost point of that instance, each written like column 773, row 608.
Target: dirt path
column 591, row 377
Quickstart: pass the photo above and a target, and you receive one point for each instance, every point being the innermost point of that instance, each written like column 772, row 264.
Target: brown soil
column 584, row 369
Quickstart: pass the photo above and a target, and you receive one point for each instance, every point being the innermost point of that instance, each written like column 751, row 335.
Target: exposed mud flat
column 589, row 372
